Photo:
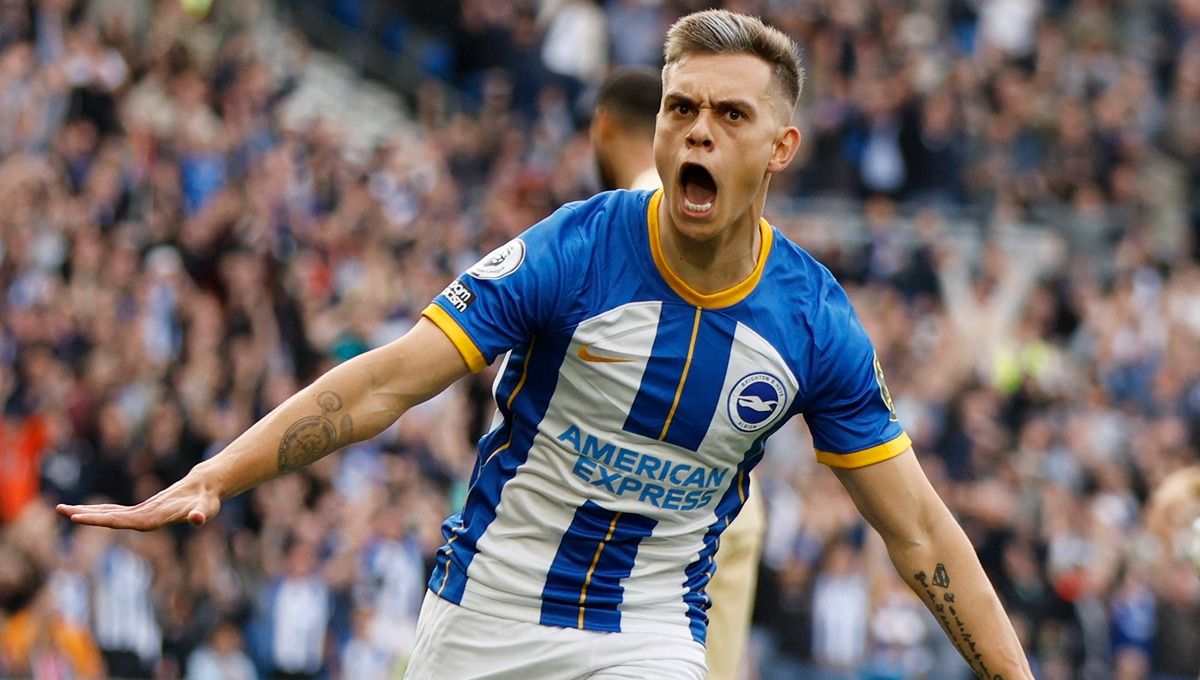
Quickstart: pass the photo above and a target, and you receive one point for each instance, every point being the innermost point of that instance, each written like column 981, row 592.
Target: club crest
column 756, row 401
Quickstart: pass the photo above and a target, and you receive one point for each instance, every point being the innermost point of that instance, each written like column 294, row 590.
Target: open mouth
column 699, row 190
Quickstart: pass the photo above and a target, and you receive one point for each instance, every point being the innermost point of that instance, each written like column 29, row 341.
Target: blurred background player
column 622, row 133
column 622, row 129
column 1174, row 514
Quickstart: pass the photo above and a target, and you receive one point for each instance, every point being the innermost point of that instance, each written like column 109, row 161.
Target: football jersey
column 631, row 408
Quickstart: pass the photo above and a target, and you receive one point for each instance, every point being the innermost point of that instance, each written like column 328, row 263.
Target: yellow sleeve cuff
column 466, row 347
column 875, row 454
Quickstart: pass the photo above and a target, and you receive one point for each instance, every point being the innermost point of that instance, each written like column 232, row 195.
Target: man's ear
column 787, row 143
column 602, row 124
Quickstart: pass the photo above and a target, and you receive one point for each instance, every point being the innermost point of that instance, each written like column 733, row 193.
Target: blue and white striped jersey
column 631, row 409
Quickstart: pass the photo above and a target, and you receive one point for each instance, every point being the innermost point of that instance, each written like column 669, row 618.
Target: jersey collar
column 722, row 298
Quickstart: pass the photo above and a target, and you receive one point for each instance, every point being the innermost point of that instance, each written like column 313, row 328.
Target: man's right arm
column 352, row 402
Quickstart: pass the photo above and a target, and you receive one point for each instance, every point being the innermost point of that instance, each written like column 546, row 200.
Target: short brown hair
column 718, row 31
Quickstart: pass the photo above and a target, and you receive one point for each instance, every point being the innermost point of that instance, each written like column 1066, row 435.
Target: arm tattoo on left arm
column 948, row 615
column 311, row 437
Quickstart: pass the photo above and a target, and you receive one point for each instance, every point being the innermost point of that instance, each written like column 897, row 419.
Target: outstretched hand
column 186, row 500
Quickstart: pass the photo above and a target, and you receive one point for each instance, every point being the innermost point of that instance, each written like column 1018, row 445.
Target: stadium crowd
column 176, row 258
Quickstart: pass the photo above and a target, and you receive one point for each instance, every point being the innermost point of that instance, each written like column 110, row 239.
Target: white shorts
column 454, row 643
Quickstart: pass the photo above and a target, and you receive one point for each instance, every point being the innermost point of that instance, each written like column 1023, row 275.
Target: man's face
column 718, row 135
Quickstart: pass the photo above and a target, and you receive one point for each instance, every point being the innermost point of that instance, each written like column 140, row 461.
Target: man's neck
column 718, row 263
column 630, row 161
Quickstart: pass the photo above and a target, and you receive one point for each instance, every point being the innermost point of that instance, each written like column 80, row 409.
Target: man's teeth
column 697, row 207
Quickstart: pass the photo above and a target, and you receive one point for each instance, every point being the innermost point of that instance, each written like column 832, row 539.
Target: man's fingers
column 72, row 510
column 156, row 511
column 115, row 520
column 114, row 516
column 138, row 519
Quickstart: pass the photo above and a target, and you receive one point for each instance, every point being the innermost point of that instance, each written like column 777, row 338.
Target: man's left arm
column 936, row 559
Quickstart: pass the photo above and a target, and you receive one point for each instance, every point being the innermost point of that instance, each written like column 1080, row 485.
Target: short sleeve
column 517, row 289
column 850, row 411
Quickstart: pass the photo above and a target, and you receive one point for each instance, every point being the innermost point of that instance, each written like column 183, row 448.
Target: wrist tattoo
column 942, row 602
column 311, row 437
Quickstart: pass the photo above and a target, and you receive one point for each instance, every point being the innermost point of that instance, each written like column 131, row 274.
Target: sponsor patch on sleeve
column 459, row 295
column 884, row 392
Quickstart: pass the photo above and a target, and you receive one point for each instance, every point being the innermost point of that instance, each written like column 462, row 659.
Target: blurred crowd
column 177, row 257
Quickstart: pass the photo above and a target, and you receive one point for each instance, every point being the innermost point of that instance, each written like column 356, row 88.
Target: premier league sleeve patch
column 514, row 291
column 500, row 262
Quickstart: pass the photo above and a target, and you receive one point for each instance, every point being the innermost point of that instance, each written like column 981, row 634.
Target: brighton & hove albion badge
column 755, row 401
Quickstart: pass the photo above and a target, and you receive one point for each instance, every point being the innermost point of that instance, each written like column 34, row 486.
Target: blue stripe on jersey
column 663, row 371
column 505, row 395
column 700, row 572
column 499, row 463
column 706, row 375
column 583, row 588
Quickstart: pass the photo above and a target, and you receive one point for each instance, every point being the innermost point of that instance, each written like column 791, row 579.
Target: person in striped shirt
column 622, row 133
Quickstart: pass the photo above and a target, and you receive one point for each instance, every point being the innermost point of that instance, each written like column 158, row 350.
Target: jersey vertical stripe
column 714, row 342
column 661, row 381
column 699, row 572
column 509, row 380
column 583, row 588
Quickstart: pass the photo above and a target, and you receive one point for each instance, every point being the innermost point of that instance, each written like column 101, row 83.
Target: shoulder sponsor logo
column 500, row 262
column 756, row 401
column 585, row 353
column 459, row 295
column 884, row 392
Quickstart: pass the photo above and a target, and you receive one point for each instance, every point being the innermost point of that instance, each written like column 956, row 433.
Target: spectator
column 841, row 598
column 126, row 628
column 366, row 655
column 22, row 444
column 222, row 657
column 298, row 611
column 38, row 642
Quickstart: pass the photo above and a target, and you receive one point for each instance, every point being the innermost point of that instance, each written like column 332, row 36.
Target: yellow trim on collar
column 463, row 342
column 721, row 298
column 875, row 454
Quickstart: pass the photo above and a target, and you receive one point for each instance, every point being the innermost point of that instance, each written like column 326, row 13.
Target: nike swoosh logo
column 588, row 356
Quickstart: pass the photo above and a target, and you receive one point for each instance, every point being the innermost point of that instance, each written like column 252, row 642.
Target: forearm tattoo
column 314, row 436
column 943, row 605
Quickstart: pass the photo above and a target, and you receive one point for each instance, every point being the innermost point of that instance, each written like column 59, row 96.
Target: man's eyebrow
column 678, row 97
column 720, row 104
column 739, row 104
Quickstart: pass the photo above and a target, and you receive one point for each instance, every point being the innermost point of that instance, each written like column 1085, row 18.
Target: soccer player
column 622, row 134
column 622, row 129
column 655, row 340
column 1174, row 513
